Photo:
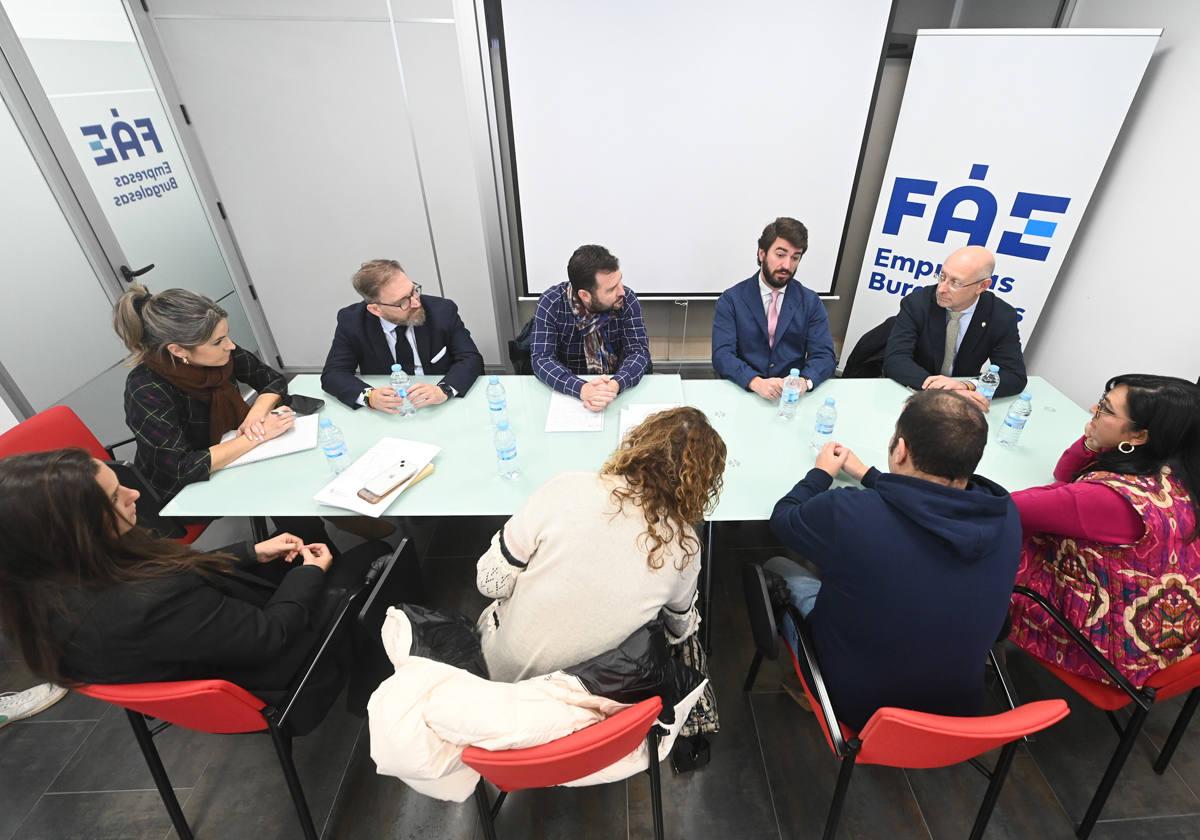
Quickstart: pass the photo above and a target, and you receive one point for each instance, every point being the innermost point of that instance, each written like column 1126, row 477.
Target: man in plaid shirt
column 590, row 324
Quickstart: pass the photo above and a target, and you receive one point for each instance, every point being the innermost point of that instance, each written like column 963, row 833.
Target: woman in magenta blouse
column 1113, row 541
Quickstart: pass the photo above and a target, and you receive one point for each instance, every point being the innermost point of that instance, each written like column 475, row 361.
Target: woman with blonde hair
column 590, row 558
column 182, row 395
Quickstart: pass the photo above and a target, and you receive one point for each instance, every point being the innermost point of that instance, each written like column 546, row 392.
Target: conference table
column 766, row 454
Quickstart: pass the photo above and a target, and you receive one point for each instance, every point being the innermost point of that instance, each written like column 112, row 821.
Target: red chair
column 60, row 428
column 894, row 737
column 569, row 758
column 222, row 708
column 1183, row 676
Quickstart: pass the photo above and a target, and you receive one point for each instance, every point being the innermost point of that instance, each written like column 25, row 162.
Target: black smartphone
column 303, row 406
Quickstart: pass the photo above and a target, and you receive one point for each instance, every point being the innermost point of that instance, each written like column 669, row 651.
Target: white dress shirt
column 389, row 335
column 389, row 332
column 765, row 292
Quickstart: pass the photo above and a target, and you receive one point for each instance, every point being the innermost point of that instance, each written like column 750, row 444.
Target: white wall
column 1126, row 299
column 337, row 133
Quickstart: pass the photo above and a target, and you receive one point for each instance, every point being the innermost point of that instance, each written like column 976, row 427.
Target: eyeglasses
column 955, row 285
column 405, row 301
column 1102, row 407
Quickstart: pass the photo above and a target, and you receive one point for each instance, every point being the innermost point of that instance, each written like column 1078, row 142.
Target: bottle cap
column 994, row 368
column 794, row 372
column 502, row 426
column 324, row 421
column 492, row 380
column 397, row 368
column 1027, row 396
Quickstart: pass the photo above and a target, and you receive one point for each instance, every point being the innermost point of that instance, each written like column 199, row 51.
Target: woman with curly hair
column 592, row 557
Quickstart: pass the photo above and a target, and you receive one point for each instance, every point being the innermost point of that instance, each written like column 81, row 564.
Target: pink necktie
column 772, row 318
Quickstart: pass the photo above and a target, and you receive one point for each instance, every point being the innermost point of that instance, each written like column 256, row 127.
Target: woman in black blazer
column 89, row 597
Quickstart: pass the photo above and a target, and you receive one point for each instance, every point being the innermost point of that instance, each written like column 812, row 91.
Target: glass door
column 90, row 68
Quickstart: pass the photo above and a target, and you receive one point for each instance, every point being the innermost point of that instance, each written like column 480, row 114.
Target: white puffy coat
column 422, row 717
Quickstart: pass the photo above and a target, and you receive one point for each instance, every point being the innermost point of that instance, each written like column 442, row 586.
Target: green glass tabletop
column 767, row 455
column 465, row 481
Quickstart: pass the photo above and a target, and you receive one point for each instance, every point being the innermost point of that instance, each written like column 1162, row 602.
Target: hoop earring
column 1121, row 447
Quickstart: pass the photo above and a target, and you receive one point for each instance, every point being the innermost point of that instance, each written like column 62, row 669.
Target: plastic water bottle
column 789, row 401
column 333, row 444
column 399, row 383
column 826, row 420
column 506, row 451
column 990, row 381
column 496, row 400
column 1014, row 423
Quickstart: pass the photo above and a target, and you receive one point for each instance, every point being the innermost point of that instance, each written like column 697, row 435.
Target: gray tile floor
column 75, row 771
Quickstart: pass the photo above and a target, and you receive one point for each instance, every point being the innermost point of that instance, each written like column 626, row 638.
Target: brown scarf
column 212, row 385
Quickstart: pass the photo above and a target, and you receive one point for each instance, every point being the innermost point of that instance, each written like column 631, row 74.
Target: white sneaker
column 18, row 705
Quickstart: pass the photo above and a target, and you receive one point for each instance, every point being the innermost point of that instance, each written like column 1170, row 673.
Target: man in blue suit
column 768, row 324
column 395, row 324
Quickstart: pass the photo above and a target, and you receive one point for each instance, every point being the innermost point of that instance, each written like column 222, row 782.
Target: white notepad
column 342, row 491
column 567, row 414
column 302, row 435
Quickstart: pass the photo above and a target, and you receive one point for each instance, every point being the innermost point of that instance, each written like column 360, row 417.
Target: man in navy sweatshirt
column 916, row 568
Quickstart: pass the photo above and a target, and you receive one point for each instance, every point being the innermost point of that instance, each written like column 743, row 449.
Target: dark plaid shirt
column 171, row 427
column 556, row 348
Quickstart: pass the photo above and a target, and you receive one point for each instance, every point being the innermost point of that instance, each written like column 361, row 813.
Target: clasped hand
column 772, row 389
column 949, row 383
column 420, row 394
column 597, row 393
column 834, row 458
column 260, row 426
column 288, row 547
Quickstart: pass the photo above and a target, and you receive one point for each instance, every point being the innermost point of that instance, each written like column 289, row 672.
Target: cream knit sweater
column 586, row 584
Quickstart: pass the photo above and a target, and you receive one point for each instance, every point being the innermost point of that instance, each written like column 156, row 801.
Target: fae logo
column 124, row 137
column 978, row 228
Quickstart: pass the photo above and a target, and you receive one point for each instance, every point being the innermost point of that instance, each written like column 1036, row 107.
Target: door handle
column 130, row 275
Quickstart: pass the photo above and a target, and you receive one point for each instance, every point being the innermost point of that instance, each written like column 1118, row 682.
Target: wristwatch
column 366, row 396
column 447, row 390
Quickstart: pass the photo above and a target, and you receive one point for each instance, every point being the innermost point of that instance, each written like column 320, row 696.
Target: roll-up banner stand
column 1002, row 137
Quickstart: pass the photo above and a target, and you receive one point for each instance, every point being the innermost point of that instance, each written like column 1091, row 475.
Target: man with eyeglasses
column 395, row 323
column 945, row 332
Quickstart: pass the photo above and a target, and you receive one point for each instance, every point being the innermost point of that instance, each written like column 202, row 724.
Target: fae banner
column 1002, row 137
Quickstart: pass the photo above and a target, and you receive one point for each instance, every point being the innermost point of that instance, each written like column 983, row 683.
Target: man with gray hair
column 945, row 332
column 395, row 323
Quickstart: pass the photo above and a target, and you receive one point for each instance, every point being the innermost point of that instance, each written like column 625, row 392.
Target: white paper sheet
column 302, row 435
column 342, row 491
column 633, row 415
column 567, row 414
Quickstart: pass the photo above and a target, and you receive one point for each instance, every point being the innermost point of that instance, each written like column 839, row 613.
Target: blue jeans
column 803, row 587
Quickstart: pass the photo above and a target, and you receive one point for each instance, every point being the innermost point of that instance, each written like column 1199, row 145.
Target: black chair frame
column 275, row 715
column 488, row 810
column 1127, row 732
column 764, row 628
